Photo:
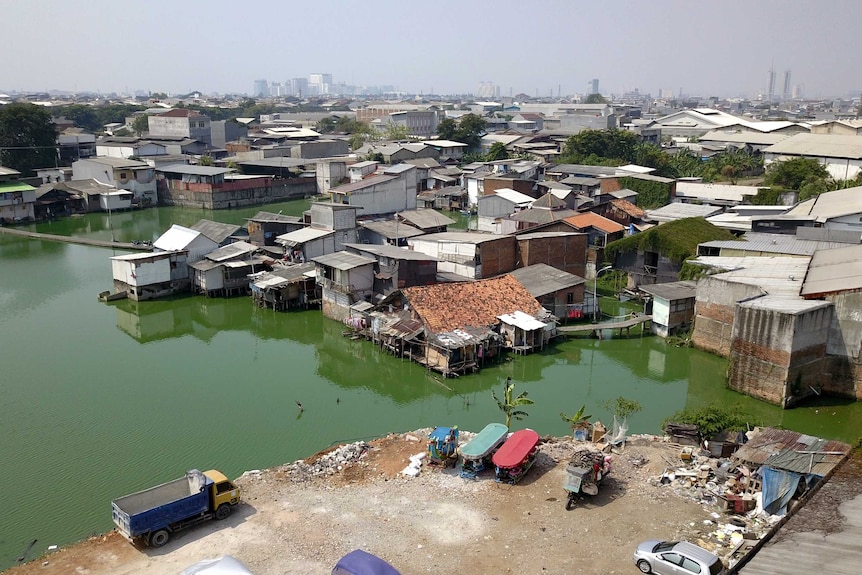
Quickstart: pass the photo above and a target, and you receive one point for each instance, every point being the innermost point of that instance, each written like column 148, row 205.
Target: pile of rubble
column 731, row 491
column 328, row 463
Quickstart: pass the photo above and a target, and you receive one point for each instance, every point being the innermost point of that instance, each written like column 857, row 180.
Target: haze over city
column 543, row 48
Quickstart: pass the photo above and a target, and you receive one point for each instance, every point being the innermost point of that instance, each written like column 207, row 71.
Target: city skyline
column 731, row 49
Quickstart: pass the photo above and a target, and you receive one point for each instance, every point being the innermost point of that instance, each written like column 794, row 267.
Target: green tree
column 595, row 99
column 446, row 129
column 593, row 146
column 470, row 130
column 28, row 138
column 791, row 174
column 141, row 124
column 510, row 404
column 622, row 407
column 205, row 161
column 578, row 419
column 497, row 151
column 326, row 125
column 397, row 132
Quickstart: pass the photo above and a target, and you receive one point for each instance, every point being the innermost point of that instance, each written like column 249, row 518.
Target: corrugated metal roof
column 460, row 237
column 590, row 219
column 780, row 449
column 746, row 137
column 830, row 205
column 425, row 218
column 302, row 235
column 774, row 275
column 521, row 320
column 784, row 305
column 194, row 170
column 774, row 244
column 819, row 145
column 145, row 256
column 391, row 229
column 392, row 252
column 216, row 231
column 15, row 186
column 270, row 217
column 363, row 184
column 343, row 260
column 672, row 290
column 231, row 251
column 513, row 196
column 541, row 279
column 722, row 192
column 834, row 270
column 176, row 238
column 679, row 211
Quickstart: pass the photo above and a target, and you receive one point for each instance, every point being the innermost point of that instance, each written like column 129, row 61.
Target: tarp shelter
column 359, row 562
column 226, row 565
column 780, row 486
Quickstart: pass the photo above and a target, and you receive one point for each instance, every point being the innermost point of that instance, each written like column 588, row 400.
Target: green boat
column 476, row 452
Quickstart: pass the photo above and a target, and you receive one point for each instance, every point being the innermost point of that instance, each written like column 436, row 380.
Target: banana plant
column 510, row 404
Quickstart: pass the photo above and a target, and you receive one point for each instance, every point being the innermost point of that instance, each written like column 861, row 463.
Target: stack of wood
column 587, row 457
column 683, row 433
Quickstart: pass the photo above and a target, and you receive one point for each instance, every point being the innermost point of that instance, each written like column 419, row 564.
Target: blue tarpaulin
column 359, row 562
column 780, row 486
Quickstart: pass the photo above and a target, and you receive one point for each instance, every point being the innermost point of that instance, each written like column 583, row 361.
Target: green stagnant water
column 99, row 400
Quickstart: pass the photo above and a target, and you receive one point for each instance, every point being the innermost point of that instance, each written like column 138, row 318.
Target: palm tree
column 578, row 419
column 509, row 405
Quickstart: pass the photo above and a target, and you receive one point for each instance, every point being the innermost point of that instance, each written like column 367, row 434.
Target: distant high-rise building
column 319, row 84
column 594, row 86
column 488, row 90
column 770, row 91
column 299, row 87
column 786, row 94
column 261, row 88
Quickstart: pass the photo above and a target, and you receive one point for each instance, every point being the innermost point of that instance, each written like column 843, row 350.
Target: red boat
column 516, row 456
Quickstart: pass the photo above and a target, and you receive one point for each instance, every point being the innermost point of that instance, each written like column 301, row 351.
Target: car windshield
column 664, row 546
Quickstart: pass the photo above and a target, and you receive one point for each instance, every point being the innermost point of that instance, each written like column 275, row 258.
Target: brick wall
column 566, row 253
column 499, row 256
column 523, row 186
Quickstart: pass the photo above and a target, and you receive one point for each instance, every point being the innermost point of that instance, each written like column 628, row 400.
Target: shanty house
column 286, row 287
column 558, row 291
column 671, row 306
column 429, row 221
column 397, row 268
column 453, row 328
column 225, row 271
column 150, row 275
column 179, row 238
column 264, row 227
column 345, row 278
column 469, row 255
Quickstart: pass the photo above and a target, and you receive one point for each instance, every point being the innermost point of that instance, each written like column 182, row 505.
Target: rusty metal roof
column 792, row 451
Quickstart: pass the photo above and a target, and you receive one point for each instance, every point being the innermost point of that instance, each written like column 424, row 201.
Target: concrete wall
column 778, row 357
column 320, row 149
column 385, row 198
column 715, row 309
column 330, row 174
column 845, row 332
column 220, row 198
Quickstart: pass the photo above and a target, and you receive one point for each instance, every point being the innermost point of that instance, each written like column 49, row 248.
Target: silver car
column 676, row 558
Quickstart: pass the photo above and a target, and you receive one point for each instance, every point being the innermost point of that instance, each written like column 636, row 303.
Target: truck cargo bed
column 163, row 505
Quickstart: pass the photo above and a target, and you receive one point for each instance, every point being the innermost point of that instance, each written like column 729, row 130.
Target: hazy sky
column 724, row 47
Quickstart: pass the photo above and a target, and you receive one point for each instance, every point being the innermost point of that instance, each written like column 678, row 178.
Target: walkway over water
column 74, row 240
column 596, row 328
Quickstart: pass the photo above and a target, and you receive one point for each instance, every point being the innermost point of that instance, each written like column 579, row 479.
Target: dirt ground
column 434, row 523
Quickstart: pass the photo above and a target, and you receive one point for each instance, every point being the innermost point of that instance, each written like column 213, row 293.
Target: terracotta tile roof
column 448, row 306
column 588, row 219
column 629, row 208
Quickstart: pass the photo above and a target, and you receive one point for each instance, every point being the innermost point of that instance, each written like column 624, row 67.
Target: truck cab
column 224, row 492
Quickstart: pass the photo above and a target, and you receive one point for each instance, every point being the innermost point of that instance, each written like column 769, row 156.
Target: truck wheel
column 159, row 538
column 223, row 511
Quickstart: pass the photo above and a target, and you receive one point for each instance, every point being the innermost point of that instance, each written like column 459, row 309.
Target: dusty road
column 434, row 523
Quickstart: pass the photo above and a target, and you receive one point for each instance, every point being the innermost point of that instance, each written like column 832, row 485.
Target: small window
column 224, row 487
column 570, row 298
column 690, row 565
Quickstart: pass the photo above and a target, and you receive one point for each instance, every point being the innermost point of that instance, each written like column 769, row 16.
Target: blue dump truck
column 152, row 515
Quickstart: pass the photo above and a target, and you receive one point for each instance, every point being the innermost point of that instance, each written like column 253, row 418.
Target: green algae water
column 99, row 400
